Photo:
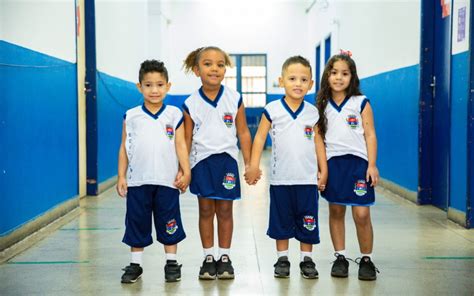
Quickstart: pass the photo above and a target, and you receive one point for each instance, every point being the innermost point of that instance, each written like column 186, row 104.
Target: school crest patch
column 169, row 131
column 352, row 121
column 308, row 132
column 309, row 223
column 229, row 181
column 171, row 226
column 360, row 188
column 228, row 119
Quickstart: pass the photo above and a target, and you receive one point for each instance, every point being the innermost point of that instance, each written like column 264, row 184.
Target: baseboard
column 27, row 235
column 399, row 190
column 107, row 184
column 457, row 216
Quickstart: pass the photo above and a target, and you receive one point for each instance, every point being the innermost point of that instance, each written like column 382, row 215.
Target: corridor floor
column 417, row 250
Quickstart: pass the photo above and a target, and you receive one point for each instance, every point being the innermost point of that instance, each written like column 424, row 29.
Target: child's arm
column 244, row 134
column 322, row 159
column 122, row 165
column 253, row 173
column 188, row 130
column 182, row 182
column 371, row 141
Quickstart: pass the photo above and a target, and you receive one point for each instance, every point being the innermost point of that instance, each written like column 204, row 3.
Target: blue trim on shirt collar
column 293, row 114
column 338, row 108
column 155, row 116
column 216, row 100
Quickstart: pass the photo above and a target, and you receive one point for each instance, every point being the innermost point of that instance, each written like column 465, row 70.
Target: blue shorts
column 294, row 213
column 163, row 203
column 346, row 182
column 216, row 177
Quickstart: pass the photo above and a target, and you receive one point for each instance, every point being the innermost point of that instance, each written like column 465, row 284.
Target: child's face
column 154, row 88
column 297, row 81
column 339, row 77
column 211, row 68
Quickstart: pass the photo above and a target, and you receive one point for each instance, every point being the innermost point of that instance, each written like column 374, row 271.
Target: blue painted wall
column 394, row 98
column 38, row 130
column 114, row 97
column 459, row 99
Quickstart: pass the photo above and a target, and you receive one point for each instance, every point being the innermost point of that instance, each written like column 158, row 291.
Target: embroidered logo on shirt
column 228, row 119
column 360, row 188
column 170, row 131
column 308, row 132
column 309, row 223
column 171, row 226
column 229, row 181
column 352, row 121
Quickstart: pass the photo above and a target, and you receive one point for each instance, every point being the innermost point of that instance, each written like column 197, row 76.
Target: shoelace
column 347, row 258
column 359, row 259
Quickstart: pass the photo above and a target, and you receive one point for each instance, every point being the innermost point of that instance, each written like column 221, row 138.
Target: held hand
column 252, row 175
column 372, row 175
column 322, row 180
column 122, row 186
column 183, row 182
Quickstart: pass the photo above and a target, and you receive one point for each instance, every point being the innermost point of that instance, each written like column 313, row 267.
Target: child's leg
column 170, row 251
column 282, row 245
column 225, row 222
column 337, row 226
column 306, row 250
column 365, row 234
column 207, row 210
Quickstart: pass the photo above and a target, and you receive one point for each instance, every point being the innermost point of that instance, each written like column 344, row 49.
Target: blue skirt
column 216, row 177
column 346, row 182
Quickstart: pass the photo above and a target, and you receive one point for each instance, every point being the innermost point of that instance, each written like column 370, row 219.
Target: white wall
column 383, row 35
column 462, row 44
column 122, row 35
column 46, row 26
column 277, row 28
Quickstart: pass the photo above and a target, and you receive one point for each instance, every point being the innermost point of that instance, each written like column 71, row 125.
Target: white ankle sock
column 223, row 251
column 341, row 252
column 170, row 256
column 368, row 255
column 305, row 254
column 137, row 257
column 209, row 251
column 282, row 253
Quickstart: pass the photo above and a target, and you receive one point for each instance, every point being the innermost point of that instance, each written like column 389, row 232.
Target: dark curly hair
column 150, row 66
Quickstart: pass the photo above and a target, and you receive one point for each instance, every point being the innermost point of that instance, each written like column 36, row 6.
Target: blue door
column 441, row 108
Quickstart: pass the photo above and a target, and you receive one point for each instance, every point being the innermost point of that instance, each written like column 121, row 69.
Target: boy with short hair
column 298, row 167
column 152, row 151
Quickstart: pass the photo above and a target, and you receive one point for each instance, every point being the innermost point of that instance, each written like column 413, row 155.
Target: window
column 249, row 77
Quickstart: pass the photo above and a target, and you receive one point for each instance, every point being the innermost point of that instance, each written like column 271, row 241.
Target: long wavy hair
column 325, row 92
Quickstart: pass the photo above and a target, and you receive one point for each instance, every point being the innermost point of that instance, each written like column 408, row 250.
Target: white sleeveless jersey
column 214, row 123
column 294, row 159
column 345, row 134
column 150, row 145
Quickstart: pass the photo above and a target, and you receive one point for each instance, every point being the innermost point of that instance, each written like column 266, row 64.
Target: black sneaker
column 225, row 271
column 172, row 271
column 340, row 267
column 308, row 268
column 367, row 269
column 282, row 267
column 132, row 273
column 208, row 269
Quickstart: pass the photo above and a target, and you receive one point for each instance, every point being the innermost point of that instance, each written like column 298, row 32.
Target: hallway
column 417, row 250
